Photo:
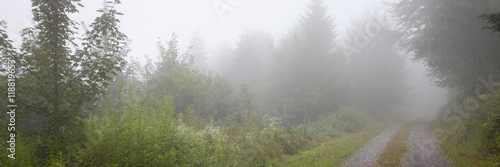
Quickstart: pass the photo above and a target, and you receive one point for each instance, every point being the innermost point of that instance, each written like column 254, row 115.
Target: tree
column 56, row 77
column 190, row 88
column 317, row 28
column 250, row 58
column 199, row 52
column 222, row 55
column 7, row 55
column 59, row 80
column 6, row 49
column 379, row 67
column 306, row 73
column 446, row 35
column 494, row 21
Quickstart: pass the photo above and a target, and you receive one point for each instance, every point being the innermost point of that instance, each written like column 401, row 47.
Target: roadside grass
column 461, row 153
column 396, row 148
column 467, row 154
column 335, row 151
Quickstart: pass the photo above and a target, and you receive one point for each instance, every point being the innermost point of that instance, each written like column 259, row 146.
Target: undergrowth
column 145, row 132
column 476, row 140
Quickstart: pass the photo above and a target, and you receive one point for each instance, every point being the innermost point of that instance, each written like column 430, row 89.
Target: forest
column 73, row 95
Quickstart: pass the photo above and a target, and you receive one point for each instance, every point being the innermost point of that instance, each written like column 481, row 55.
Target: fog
column 145, row 23
column 249, row 82
column 219, row 25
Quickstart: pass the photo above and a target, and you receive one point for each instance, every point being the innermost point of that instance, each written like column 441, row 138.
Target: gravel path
column 423, row 150
column 369, row 154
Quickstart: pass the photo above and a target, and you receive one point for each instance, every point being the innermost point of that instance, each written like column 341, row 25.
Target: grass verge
column 335, row 151
column 396, row 148
column 465, row 153
column 470, row 138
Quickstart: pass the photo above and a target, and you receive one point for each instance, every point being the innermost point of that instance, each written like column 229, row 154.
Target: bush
column 490, row 123
column 25, row 151
column 345, row 120
column 144, row 132
column 257, row 137
column 476, row 140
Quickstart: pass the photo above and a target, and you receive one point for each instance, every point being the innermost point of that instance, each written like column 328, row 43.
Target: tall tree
column 306, row 75
column 207, row 95
column 7, row 60
column 7, row 50
column 57, row 77
column 446, row 35
column 250, row 58
column 222, row 56
column 379, row 67
column 199, row 52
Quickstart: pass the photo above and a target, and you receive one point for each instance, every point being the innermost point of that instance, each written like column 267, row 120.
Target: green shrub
column 144, row 132
column 258, row 138
column 25, row 154
column 490, row 123
column 475, row 141
column 335, row 124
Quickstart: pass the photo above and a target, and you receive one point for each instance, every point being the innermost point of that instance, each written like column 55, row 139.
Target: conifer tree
column 57, row 75
column 307, row 72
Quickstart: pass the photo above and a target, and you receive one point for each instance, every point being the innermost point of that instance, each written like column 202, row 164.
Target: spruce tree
column 57, row 77
column 306, row 74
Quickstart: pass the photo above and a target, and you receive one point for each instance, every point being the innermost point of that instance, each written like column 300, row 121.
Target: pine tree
column 493, row 21
column 250, row 58
column 307, row 72
column 379, row 68
column 199, row 52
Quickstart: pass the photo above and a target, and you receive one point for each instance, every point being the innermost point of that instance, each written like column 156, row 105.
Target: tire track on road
column 423, row 150
column 369, row 154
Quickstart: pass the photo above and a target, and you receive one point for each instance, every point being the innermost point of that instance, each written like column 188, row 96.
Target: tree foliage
column 307, row 73
column 250, row 58
column 494, row 21
column 198, row 49
column 56, row 76
column 379, row 69
column 208, row 95
column 446, row 35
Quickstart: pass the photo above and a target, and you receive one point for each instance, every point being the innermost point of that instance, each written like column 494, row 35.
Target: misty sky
column 147, row 22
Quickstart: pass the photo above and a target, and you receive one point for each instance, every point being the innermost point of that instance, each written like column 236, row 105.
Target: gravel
column 369, row 154
column 423, row 150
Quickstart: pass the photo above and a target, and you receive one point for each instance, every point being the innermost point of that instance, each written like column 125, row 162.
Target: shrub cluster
column 490, row 124
column 145, row 132
column 482, row 128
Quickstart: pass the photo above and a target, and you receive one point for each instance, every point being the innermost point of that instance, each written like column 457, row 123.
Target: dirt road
column 369, row 154
column 422, row 148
